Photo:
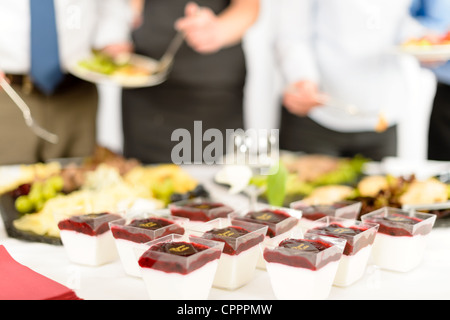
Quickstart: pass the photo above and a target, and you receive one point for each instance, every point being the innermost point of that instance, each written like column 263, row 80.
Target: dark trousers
column 70, row 113
column 439, row 131
column 305, row 135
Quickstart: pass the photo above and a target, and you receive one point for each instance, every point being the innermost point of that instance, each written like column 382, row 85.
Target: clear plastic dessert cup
column 200, row 210
column 303, row 269
column 359, row 236
column 401, row 238
column 130, row 233
column 241, row 251
column 281, row 223
column 87, row 238
column 340, row 209
column 178, row 267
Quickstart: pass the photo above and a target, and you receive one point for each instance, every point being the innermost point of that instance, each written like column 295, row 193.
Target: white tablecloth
column 431, row 280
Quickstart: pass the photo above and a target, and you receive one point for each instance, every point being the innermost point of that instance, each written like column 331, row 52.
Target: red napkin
column 18, row 282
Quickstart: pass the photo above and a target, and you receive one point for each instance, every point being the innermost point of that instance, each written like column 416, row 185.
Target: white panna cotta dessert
column 311, row 213
column 134, row 232
column 177, row 267
column 359, row 236
column 303, row 269
column 280, row 223
column 87, row 238
column 241, row 251
column 401, row 238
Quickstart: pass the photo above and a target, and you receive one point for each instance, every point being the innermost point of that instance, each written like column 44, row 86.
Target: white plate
column 123, row 81
column 428, row 53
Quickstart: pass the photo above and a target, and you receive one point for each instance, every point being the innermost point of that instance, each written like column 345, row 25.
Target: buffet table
column 431, row 280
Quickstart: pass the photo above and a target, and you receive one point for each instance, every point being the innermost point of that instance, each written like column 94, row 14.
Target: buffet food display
column 166, row 230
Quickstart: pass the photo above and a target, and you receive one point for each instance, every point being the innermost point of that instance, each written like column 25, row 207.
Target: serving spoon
column 166, row 61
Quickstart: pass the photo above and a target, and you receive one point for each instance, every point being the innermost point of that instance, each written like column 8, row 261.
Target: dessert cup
column 130, row 233
column 281, row 223
column 200, row 210
column 401, row 238
column 87, row 238
column 241, row 251
column 303, row 269
column 310, row 213
column 359, row 236
column 178, row 267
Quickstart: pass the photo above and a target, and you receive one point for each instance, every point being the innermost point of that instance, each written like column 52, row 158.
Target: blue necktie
column 45, row 65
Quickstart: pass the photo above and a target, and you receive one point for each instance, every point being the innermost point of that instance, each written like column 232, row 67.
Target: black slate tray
column 9, row 214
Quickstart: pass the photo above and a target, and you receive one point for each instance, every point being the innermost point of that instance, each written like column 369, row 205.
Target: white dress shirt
column 82, row 25
column 349, row 48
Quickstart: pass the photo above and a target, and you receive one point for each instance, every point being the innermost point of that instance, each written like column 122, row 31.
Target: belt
column 21, row 80
column 28, row 87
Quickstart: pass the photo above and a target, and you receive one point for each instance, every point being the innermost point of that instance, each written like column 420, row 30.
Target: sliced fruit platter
column 40, row 194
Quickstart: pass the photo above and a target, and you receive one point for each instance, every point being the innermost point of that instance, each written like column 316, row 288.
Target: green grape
column 164, row 190
column 40, row 205
column 48, row 191
column 23, row 204
column 57, row 182
column 35, row 194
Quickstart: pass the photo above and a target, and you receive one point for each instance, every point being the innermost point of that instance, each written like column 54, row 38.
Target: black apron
column 201, row 87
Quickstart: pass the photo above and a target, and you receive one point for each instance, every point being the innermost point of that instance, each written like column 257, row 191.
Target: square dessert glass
column 359, row 236
column 87, row 238
column 200, row 210
column 401, row 238
column 303, row 268
column 134, row 231
column 281, row 222
column 241, row 251
column 340, row 209
column 177, row 267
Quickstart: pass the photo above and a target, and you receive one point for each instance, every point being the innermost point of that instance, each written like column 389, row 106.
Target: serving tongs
column 30, row 122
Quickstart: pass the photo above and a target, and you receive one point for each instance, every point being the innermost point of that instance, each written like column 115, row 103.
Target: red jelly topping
column 201, row 211
column 347, row 233
column 315, row 212
column 230, row 235
column 160, row 226
column 90, row 224
column 399, row 225
column 150, row 259
column 272, row 219
column 300, row 253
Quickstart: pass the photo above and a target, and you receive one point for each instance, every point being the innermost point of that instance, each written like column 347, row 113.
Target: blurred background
column 263, row 91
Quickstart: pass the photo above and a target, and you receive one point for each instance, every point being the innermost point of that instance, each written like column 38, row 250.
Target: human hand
column 118, row 50
column 301, row 97
column 4, row 77
column 202, row 29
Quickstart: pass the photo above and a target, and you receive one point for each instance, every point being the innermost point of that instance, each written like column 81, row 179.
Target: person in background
column 435, row 15
column 39, row 40
column 207, row 80
column 345, row 89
